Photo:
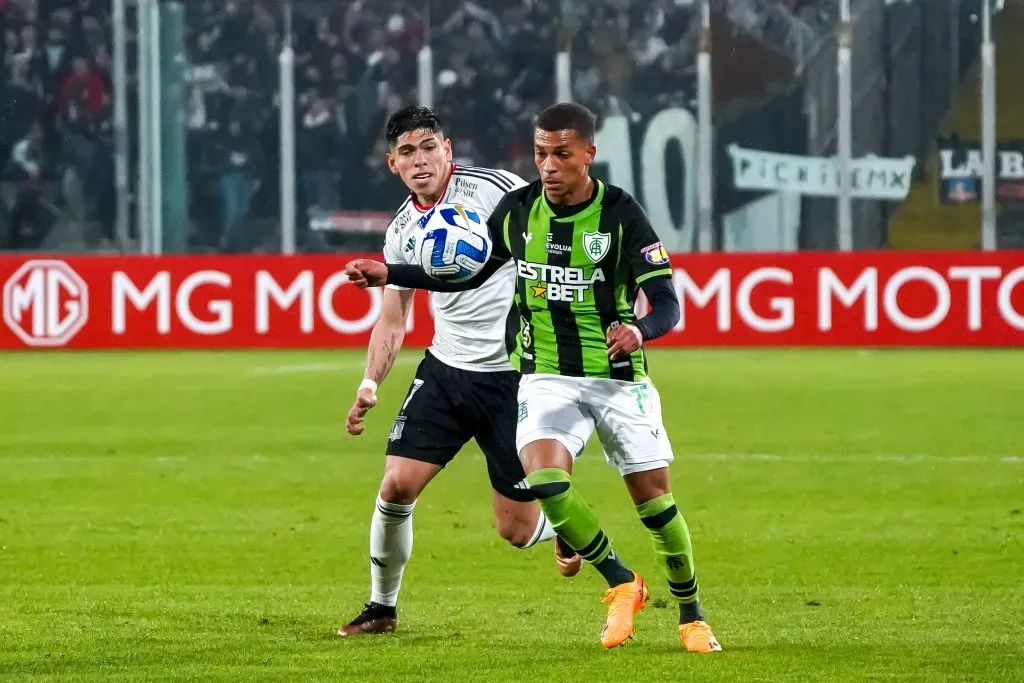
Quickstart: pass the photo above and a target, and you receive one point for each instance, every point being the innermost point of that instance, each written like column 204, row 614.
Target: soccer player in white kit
column 465, row 388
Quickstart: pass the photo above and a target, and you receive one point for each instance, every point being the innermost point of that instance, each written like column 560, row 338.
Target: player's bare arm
column 385, row 343
column 388, row 334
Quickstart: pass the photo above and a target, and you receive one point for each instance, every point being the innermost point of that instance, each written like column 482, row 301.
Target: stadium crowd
column 356, row 61
column 54, row 110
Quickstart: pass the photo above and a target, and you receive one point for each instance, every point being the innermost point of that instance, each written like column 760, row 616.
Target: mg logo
column 46, row 303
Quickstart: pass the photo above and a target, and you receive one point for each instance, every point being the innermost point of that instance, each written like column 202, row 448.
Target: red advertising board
column 871, row 299
column 107, row 302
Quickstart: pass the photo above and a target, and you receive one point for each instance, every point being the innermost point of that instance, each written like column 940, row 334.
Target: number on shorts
column 416, row 384
column 640, row 393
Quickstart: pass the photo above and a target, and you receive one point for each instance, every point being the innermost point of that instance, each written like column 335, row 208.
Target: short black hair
column 409, row 119
column 569, row 116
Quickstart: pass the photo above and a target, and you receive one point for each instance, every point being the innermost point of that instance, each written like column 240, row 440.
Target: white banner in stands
column 873, row 177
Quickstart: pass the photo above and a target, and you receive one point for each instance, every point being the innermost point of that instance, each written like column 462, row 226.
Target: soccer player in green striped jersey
column 582, row 249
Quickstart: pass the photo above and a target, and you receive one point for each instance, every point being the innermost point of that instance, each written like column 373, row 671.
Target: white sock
column 544, row 532
column 390, row 549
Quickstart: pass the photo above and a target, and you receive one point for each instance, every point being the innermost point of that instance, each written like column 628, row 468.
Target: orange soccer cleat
column 696, row 636
column 623, row 601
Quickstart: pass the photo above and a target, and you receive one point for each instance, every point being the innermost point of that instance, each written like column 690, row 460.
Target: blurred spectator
column 22, row 105
column 26, row 157
column 319, row 147
column 241, row 167
column 84, row 90
column 25, row 168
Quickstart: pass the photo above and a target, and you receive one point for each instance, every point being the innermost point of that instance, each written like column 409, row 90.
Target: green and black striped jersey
column 578, row 269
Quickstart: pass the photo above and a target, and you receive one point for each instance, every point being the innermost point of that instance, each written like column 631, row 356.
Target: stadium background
column 201, row 514
column 774, row 88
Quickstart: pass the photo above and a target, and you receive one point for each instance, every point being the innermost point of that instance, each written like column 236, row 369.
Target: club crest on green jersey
column 596, row 245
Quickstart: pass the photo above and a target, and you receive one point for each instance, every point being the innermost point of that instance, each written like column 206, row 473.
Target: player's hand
column 365, row 273
column 623, row 340
column 365, row 400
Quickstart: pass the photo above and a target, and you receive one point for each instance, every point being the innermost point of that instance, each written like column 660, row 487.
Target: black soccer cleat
column 374, row 619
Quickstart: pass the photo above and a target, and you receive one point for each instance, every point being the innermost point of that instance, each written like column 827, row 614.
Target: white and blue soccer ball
column 454, row 243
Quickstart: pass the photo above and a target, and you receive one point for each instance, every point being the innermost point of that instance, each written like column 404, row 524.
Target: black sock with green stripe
column 671, row 539
column 576, row 524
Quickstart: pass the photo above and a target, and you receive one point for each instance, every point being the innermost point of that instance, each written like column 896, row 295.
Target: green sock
column 671, row 539
column 576, row 524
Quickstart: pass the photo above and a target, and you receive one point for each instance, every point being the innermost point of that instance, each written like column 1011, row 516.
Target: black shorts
column 446, row 407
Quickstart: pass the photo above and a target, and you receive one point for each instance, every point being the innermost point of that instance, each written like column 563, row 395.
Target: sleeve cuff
column 661, row 272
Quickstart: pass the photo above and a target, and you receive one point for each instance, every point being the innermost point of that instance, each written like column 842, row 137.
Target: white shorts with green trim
column 626, row 416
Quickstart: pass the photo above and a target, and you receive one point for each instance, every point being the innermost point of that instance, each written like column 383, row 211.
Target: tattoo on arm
column 389, row 350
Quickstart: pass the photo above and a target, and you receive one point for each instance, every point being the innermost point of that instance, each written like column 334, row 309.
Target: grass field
column 855, row 516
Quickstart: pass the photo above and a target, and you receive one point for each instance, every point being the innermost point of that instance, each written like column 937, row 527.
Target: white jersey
column 469, row 327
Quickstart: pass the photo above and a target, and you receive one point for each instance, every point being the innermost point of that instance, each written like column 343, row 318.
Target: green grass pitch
column 189, row 516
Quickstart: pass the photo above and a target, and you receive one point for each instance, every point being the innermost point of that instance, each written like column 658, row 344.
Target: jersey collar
column 590, row 209
column 423, row 208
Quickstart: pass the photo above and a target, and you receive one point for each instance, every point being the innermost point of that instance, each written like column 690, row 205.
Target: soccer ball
column 454, row 243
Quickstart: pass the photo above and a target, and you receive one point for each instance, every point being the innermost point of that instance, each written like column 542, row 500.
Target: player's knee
column 545, row 453
column 516, row 531
column 400, row 488
column 647, row 485
column 517, row 523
